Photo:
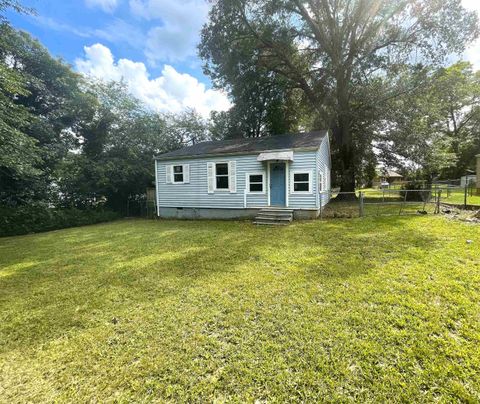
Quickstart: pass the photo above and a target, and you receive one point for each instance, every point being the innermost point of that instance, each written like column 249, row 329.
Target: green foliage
column 39, row 98
column 369, row 310
column 437, row 127
column 39, row 218
column 18, row 151
column 117, row 147
column 419, row 191
column 334, row 53
column 71, row 142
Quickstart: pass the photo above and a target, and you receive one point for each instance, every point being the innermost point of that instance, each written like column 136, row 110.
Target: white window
column 177, row 174
column 256, row 183
column 221, row 176
column 302, row 182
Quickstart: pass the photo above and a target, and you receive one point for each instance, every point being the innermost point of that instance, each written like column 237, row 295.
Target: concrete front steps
column 274, row 217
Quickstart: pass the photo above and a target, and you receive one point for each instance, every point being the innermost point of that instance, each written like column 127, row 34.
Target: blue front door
column 277, row 184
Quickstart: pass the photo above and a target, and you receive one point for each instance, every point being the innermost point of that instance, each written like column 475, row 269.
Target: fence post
column 437, row 207
column 465, row 196
column 360, row 200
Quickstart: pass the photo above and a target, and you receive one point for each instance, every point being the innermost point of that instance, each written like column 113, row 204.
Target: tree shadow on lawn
column 49, row 291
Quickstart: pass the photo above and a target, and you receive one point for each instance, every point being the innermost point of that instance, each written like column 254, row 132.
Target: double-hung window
column 302, row 182
column 256, row 183
column 221, row 176
column 178, row 174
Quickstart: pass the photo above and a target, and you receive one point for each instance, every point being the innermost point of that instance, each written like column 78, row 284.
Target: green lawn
column 373, row 309
column 458, row 197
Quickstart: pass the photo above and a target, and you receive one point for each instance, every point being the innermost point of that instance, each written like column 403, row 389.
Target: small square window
column 255, row 183
column 301, row 182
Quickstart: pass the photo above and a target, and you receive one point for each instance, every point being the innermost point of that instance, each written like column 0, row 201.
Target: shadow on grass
column 56, row 283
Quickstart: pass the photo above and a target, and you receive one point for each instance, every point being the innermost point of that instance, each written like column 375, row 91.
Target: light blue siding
column 324, row 166
column 195, row 193
column 302, row 162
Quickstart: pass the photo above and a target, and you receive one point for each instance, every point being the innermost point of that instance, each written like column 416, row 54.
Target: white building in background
column 472, row 179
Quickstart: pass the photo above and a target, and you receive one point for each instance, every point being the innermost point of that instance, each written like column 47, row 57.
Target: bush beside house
column 39, row 218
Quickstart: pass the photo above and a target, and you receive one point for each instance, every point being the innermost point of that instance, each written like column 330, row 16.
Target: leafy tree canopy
column 334, row 52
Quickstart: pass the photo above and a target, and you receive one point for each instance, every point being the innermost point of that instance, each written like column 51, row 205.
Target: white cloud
column 58, row 26
column 106, row 5
column 119, row 31
column 179, row 33
column 170, row 92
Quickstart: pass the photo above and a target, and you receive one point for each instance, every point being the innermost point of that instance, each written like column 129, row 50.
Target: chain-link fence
column 463, row 197
column 397, row 201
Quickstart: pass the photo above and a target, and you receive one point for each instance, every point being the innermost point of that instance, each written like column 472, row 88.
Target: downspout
column 156, row 189
column 478, row 173
column 287, row 179
column 317, row 193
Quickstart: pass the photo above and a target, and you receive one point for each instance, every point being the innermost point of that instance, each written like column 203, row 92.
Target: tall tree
column 18, row 151
column 332, row 50
column 43, row 95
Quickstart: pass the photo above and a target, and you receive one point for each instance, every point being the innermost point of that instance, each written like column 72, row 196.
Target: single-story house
column 236, row 178
column 386, row 175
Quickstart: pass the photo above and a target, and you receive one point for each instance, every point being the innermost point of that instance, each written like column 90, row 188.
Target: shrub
column 421, row 193
column 37, row 218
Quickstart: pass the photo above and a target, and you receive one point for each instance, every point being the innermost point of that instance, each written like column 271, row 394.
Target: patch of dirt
column 460, row 214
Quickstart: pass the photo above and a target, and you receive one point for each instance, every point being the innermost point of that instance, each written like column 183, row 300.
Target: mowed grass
column 458, row 197
column 373, row 309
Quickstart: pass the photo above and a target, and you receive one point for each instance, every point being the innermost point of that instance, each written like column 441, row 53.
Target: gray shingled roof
column 248, row 146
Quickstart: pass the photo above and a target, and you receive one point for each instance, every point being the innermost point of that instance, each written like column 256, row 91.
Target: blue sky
column 151, row 44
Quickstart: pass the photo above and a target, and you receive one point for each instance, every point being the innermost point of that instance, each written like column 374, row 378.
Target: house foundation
column 216, row 213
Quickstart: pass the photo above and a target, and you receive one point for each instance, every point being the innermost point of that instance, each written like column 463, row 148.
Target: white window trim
column 215, row 176
column 247, row 181
column 173, row 174
column 310, row 184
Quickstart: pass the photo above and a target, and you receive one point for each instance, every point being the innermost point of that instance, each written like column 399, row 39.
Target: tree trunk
column 346, row 171
column 345, row 142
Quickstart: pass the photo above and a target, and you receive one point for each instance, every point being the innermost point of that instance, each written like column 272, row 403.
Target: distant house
column 236, row 178
column 471, row 180
column 385, row 175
